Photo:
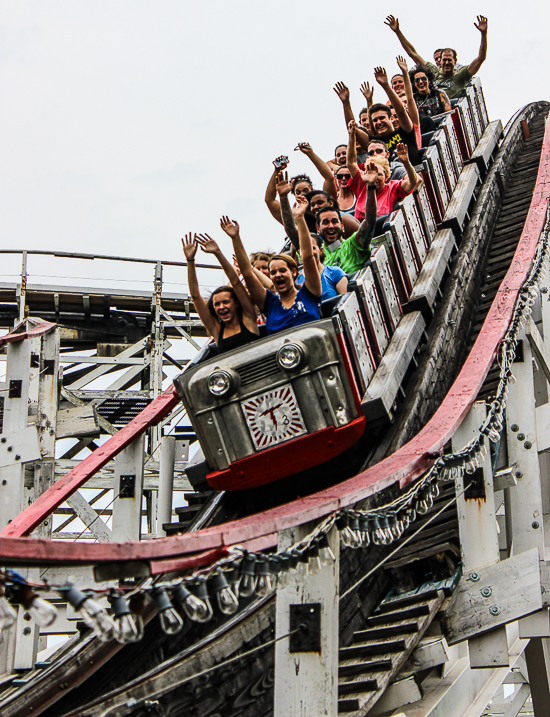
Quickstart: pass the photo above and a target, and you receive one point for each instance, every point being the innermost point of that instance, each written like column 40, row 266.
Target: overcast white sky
column 126, row 123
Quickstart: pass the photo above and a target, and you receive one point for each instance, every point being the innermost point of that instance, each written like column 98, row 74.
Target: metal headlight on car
column 220, row 382
column 290, row 356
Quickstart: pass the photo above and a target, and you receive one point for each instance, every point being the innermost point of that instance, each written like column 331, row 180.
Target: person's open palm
column 207, row 244
column 230, row 226
column 299, row 209
column 189, row 246
column 342, row 91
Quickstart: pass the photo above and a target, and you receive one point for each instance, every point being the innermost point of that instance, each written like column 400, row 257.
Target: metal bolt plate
column 309, row 638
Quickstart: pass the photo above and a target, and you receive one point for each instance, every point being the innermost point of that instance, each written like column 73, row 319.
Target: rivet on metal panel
column 486, row 592
column 521, row 436
column 474, row 577
column 514, row 427
column 494, row 610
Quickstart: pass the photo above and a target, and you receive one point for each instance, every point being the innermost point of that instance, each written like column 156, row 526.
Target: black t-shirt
column 408, row 138
column 427, row 124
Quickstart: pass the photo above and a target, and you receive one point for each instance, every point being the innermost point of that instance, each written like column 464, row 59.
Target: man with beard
column 349, row 254
column 447, row 76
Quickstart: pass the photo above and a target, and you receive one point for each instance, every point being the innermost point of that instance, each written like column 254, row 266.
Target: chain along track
column 381, row 622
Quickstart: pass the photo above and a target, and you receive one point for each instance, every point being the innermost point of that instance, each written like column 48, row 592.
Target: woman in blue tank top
column 290, row 306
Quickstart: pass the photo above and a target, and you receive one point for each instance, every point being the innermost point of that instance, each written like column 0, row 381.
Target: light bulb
column 314, row 561
column 283, row 572
column 137, row 605
column 264, row 583
column 233, row 577
column 170, row 621
column 395, row 526
column 378, row 537
column 126, row 628
column 95, row 617
column 434, row 489
column 91, row 612
column 385, row 528
column 8, row 615
column 200, row 590
column 193, row 607
column 225, row 597
column 248, row 575
column 364, row 531
column 325, row 551
column 42, row 612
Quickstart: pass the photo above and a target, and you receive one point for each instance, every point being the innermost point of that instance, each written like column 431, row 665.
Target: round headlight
column 219, row 383
column 290, row 356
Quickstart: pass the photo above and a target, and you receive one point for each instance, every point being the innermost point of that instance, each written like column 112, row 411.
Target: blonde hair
column 382, row 162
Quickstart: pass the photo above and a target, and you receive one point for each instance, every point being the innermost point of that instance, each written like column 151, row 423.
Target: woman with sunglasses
column 429, row 100
column 346, row 198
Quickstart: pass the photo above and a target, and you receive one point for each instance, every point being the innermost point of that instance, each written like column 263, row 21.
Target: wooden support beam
column 457, row 211
column 89, row 517
column 77, row 422
column 424, row 293
column 306, row 683
column 495, row 595
column 486, row 146
column 537, row 656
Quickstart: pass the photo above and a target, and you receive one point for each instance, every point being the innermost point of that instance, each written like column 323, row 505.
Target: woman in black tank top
column 229, row 315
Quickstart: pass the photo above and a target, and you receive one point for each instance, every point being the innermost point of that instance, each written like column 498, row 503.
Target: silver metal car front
column 319, row 394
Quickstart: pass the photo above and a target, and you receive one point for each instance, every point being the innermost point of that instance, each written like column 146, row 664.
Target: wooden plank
column 76, row 401
column 486, row 146
column 424, row 293
column 18, row 447
column 430, row 652
column 89, row 517
column 77, row 422
column 381, row 392
column 457, row 211
column 513, row 589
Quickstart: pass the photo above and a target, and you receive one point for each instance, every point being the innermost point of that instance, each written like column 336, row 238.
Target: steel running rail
column 260, row 531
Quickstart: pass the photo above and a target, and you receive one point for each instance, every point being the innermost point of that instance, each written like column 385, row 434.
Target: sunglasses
column 418, row 80
column 343, row 176
column 378, row 150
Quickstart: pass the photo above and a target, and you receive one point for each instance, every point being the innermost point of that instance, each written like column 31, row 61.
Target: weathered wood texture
column 448, row 344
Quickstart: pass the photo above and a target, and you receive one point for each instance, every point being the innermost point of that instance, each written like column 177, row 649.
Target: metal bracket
column 476, row 489
column 15, row 388
column 127, row 488
column 307, row 616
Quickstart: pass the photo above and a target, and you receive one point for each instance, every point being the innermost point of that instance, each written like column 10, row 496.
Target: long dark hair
column 231, row 291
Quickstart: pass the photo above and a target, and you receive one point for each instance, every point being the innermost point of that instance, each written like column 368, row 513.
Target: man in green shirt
column 349, row 254
column 447, row 77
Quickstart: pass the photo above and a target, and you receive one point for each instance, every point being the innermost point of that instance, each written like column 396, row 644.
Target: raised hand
column 283, row 186
column 381, row 76
column 370, row 174
column 352, row 126
column 402, row 64
column 230, row 226
column 367, row 91
column 207, row 244
column 342, row 91
column 189, row 246
column 304, row 147
column 299, row 209
column 402, row 152
column 392, row 22
column 482, row 23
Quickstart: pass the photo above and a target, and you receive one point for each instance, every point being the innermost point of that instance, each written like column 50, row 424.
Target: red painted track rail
column 260, row 531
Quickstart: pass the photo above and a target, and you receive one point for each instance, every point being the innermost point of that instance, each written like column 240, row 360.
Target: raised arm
column 343, row 94
column 351, row 154
column 366, row 229
column 322, row 167
column 404, row 119
column 481, row 24
column 257, row 291
column 190, row 250
column 283, row 188
column 367, row 91
column 210, row 246
column 312, row 278
column 445, row 101
column 271, row 195
column 393, row 23
column 412, row 179
column 411, row 104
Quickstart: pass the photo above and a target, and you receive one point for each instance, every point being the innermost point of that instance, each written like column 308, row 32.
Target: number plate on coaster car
column 273, row 417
